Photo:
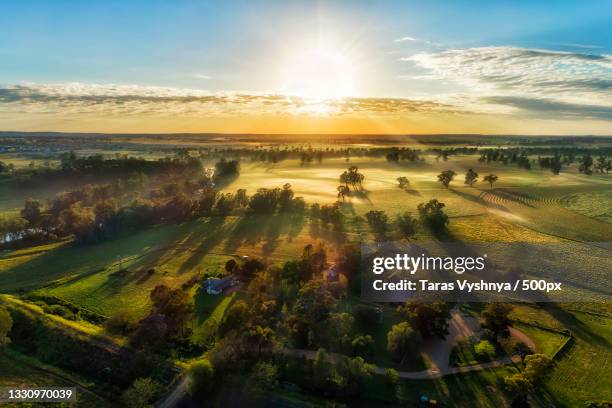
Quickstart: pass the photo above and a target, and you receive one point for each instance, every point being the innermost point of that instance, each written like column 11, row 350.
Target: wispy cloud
column 407, row 38
column 550, row 108
column 529, row 71
column 545, row 83
column 202, row 76
column 80, row 98
column 581, row 46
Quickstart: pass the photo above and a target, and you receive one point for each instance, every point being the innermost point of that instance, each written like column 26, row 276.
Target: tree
column 603, row 164
column 343, row 191
column 356, row 373
column 352, row 177
column 174, row 304
column 261, row 337
column 264, row 201
column 521, row 383
column 430, row 319
column 324, row 373
column 141, row 394
column 362, row 346
column 484, row 348
column 471, row 177
column 285, row 197
column 495, row 318
column 105, row 210
column 586, row 164
column 521, row 349
column 536, row 365
column 252, row 266
column 402, row 342
column 520, row 386
column 240, row 198
column 491, row 179
column 403, row 182
column 179, row 207
column 234, row 318
column 263, row 378
column 202, row 379
column 225, row 203
column 432, row 215
column 555, row 164
column 377, row 220
column 391, row 376
column 118, row 323
column 407, row 225
column 231, row 266
column 207, row 201
column 366, row 316
column 6, row 323
column 32, row 212
column 77, row 220
column 12, row 228
column 446, row 177
column 336, row 330
column 314, row 302
column 225, row 170
column 151, row 331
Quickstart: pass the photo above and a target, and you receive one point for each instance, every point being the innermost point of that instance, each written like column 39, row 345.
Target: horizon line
column 3, row 132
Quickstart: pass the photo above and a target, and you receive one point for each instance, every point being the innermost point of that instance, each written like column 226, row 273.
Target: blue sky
column 459, row 54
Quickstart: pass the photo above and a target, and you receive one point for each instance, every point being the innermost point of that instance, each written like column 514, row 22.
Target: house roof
column 220, row 284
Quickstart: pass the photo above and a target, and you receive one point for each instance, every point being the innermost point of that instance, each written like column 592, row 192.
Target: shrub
column 362, row 345
column 264, row 378
column 118, row 323
column 141, row 394
column 61, row 311
column 6, row 322
column 484, row 348
column 202, row 375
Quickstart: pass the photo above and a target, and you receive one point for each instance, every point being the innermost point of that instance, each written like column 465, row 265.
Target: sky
column 503, row 67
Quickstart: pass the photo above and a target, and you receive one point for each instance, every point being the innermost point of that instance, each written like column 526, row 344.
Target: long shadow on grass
column 473, row 387
column 319, row 231
column 76, row 261
column 479, row 200
column 215, row 231
column 578, row 328
column 412, row 191
column 362, row 195
column 516, row 197
column 256, row 228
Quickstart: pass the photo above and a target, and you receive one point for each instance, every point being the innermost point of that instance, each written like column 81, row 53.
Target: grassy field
column 89, row 276
column 581, row 371
column 593, row 204
column 525, row 206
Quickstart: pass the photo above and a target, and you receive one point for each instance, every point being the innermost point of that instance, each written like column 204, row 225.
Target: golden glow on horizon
column 269, row 124
column 319, row 73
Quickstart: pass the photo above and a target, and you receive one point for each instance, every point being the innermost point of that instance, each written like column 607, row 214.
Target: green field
column 526, row 206
column 581, row 371
column 118, row 274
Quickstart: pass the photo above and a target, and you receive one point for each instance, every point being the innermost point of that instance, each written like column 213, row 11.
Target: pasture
column 582, row 367
column 118, row 274
column 525, row 206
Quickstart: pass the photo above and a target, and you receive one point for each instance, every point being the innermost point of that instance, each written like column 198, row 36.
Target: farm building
column 217, row 286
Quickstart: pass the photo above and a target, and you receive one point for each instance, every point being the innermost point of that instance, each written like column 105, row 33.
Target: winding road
column 437, row 352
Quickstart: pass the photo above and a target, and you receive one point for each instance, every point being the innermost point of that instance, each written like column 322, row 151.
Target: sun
column 319, row 73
